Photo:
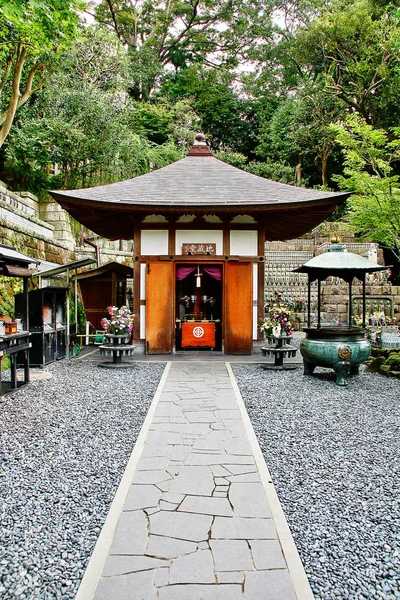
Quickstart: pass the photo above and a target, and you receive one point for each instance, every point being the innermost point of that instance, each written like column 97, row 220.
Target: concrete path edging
column 295, row 566
column 89, row 587
column 92, row 575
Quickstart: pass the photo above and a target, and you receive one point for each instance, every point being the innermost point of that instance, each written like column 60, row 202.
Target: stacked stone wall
column 280, row 282
column 22, row 227
column 43, row 230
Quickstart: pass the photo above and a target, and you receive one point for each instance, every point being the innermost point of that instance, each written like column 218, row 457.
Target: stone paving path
column 196, row 522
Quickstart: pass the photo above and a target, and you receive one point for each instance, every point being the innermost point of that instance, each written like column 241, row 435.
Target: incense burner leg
column 308, row 367
column 342, row 370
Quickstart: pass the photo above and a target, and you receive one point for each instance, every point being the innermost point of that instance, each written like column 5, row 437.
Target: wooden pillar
column 26, row 303
column 261, row 280
column 136, row 281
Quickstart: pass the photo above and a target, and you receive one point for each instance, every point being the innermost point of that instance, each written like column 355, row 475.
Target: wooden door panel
column 238, row 308
column 159, row 307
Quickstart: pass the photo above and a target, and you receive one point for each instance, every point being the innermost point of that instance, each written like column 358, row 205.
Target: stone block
column 249, row 500
column 231, row 555
column 133, row 586
column 200, row 592
column 142, row 496
column 193, row 568
column 180, row 525
column 120, row 565
column 242, row 528
column 268, row 585
column 206, row 506
column 131, row 534
column 267, row 554
column 193, row 480
column 167, row 548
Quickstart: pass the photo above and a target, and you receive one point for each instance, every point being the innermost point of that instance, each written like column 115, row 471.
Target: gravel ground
column 334, row 456
column 65, row 442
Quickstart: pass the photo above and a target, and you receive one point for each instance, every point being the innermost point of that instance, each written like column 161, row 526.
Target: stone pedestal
column 117, row 347
column 279, row 347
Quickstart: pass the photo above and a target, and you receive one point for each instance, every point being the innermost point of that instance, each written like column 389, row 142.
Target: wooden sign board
column 196, row 249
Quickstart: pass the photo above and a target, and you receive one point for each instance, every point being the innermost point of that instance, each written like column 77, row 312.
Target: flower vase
column 277, row 331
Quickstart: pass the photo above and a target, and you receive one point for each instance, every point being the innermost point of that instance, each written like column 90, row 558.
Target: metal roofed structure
column 338, row 263
column 14, row 263
column 201, row 185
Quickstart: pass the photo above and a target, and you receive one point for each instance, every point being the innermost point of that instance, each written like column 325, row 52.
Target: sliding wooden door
column 159, row 307
column 238, row 308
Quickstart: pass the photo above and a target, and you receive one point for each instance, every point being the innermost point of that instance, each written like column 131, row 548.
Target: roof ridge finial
column 200, row 146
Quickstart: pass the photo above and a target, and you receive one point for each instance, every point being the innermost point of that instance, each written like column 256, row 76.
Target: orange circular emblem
column 344, row 352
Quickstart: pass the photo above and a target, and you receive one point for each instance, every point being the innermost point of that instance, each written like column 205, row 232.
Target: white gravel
column 334, row 455
column 65, row 442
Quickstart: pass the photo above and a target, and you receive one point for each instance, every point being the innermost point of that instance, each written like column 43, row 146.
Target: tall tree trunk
column 324, row 168
column 299, row 172
column 7, row 117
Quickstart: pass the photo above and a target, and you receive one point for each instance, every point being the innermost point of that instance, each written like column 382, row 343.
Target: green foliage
column 355, row 46
column 163, row 121
column 394, row 361
column 228, row 119
column 369, row 156
column 9, row 286
column 276, row 171
column 181, row 33
column 33, row 33
column 95, row 60
column 81, row 314
column 87, row 136
column 232, row 158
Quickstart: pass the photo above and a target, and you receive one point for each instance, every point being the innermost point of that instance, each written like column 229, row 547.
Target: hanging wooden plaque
column 196, row 249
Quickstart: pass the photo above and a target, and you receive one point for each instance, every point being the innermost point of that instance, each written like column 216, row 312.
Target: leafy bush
column 394, row 361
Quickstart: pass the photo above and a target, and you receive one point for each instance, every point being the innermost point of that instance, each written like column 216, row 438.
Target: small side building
column 102, row 287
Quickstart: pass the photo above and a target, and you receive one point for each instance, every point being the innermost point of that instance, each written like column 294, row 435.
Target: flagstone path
column 196, row 516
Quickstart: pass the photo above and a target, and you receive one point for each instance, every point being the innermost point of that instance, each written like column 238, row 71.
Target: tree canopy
column 32, row 34
column 293, row 91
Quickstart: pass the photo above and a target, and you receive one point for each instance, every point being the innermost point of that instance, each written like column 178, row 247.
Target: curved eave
column 282, row 220
column 347, row 273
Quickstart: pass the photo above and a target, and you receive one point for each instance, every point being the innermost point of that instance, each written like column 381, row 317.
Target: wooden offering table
column 197, row 334
column 12, row 345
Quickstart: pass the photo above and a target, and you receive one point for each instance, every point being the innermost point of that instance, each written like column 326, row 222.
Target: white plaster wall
column 154, row 242
column 255, row 298
column 255, row 282
column 255, row 314
column 243, row 242
column 142, row 332
column 143, row 281
column 198, row 236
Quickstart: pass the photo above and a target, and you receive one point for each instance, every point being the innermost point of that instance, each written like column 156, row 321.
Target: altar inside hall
column 198, row 306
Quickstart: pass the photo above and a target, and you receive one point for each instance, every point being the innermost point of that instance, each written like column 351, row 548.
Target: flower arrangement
column 120, row 322
column 278, row 321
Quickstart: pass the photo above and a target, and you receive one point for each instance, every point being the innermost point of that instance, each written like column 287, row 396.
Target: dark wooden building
column 102, row 287
column 199, row 228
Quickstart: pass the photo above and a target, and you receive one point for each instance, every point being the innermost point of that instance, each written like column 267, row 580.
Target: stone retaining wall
column 282, row 257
